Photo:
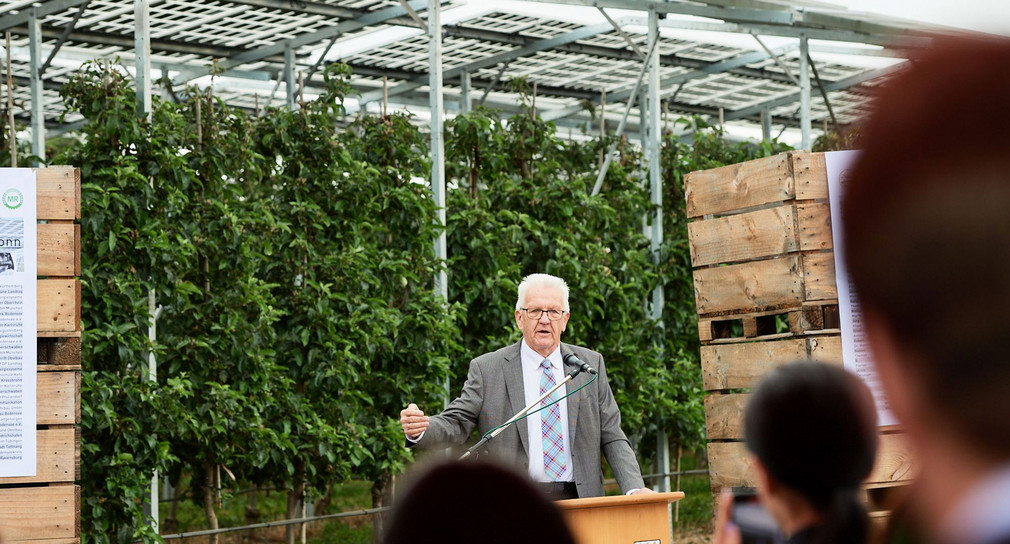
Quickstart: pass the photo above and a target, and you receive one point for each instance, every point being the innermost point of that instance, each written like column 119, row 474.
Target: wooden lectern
column 621, row 519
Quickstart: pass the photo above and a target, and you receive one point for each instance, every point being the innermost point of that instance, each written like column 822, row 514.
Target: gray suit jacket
column 493, row 393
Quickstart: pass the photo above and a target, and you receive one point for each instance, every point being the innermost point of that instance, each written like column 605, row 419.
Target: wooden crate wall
column 46, row 507
column 764, row 278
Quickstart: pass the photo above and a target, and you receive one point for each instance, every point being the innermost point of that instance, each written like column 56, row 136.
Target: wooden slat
column 77, row 249
column 895, row 462
column 738, row 366
column 826, row 349
column 749, row 286
column 58, row 308
column 58, row 193
column 57, row 398
column 729, row 464
column 57, row 455
column 40, row 513
column 819, row 276
column 739, row 186
column 763, row 233
column 57, row 250
column 724, row 416
column 815, row 226
column 811, row 175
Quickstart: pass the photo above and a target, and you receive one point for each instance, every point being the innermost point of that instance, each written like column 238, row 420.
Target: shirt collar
column 532, row 359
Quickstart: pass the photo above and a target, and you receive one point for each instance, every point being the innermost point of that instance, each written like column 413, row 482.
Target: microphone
column 572, row 359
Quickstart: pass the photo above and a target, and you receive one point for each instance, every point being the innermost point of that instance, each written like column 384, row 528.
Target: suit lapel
column 573, row 405
column 513, row 370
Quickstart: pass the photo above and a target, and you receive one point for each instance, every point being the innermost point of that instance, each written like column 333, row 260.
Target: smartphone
column 755, row 523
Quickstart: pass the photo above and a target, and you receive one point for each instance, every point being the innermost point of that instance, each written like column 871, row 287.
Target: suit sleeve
column 613, row 441
column 455, row 423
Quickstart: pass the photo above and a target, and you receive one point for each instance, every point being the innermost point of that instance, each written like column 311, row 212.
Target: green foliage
column 132, row 184
column 293, row 262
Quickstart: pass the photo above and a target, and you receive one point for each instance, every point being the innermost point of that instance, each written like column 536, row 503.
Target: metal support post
column 656, row 232
column 437, row 147
column 290, row 84
column 142, row 63
column 805, row 94
column 142, row 67
column 35, row 83
column 766, row 124
column 465, row 105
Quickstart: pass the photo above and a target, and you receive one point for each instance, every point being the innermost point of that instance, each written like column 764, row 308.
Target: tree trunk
column 381, row 488
column 252, row 516
column 294, row 497
column 209, row 499
column 323, row 503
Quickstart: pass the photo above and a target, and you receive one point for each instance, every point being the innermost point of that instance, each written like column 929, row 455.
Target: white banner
column 855, row 349
column 18, row 321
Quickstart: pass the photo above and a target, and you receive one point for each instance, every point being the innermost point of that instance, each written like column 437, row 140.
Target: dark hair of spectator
column 813, row 427
column 476, row 502
column 927, row 229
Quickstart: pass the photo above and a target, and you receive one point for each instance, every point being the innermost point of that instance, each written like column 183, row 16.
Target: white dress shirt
column 981, row 515
column 532, row 372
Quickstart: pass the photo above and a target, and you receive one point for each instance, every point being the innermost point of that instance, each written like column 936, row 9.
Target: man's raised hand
column 413, row 421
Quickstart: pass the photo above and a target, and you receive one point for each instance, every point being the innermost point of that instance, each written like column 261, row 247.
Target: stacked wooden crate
column 765, row 290
column 46, row 507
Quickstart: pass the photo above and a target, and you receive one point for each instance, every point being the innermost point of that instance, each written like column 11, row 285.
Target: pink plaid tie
column 550, row 425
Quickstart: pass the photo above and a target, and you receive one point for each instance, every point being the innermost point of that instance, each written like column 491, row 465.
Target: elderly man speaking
column 560, row 445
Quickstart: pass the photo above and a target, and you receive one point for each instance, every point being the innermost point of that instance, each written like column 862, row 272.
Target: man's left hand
column 642, row 491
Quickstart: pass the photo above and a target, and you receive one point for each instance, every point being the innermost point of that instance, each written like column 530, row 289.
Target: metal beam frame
column 35, row 76
column 142, row 63
column 343, row 27
column 792, row 98
column 782, row 15
column 713, row 68
column 805, row 94
column 493, row 60
column 8, row 22
column 438, row 152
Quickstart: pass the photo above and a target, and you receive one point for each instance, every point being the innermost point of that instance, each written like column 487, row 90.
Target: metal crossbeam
column 369, row 19
column 494, row 60
column 8, row 22
column 668, row 83
column 791, row 98
column 780, row 15
column 896, row 40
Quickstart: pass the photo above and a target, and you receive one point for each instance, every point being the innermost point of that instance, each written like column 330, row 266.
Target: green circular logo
column 13, row 199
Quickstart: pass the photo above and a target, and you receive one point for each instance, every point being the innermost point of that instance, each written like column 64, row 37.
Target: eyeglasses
column 535, row 313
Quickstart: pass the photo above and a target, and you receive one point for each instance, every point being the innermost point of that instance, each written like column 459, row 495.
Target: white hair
column 542, row 280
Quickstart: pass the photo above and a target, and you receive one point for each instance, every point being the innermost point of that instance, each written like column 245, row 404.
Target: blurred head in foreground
column 476, row 502
column 927, row 228
column 812, row 430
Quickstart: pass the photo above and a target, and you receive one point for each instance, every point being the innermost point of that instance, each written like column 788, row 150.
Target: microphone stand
column 519, row 415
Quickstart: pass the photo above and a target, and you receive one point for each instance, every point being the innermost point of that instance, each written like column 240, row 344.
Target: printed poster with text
column 18, row 321
column 855, row 348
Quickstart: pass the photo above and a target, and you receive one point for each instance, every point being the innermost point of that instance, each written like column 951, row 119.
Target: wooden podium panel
column 621, row 519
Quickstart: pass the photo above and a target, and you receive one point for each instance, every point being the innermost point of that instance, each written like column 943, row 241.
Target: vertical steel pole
column 656, row 231
column 291, row 87
column 35, row 84
column 142, row 67
column 766, row 124
column 142, row 42
column 464, row 89
column 805, row 94
column 437, row 147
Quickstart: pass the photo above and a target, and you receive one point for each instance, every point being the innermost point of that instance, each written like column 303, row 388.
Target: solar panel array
column 187, row 37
